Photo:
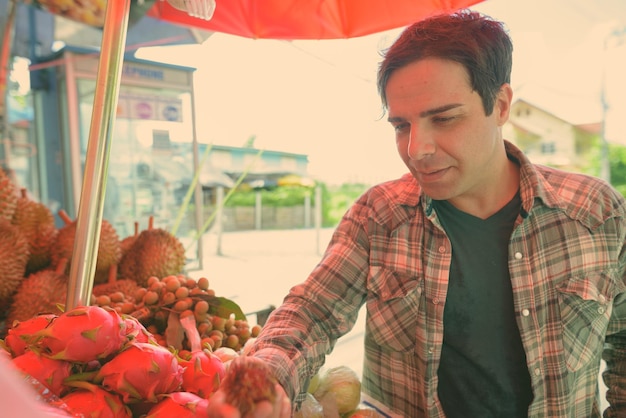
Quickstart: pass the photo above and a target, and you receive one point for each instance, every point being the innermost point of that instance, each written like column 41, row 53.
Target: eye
column 442, row 120
column 400, row 127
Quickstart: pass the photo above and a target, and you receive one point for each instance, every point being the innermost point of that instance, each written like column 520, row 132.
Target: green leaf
column 224, row 307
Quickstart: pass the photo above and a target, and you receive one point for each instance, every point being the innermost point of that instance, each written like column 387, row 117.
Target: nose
column 420, row 144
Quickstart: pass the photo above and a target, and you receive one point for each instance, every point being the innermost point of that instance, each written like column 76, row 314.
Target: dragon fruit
column 203, row 373
column 180, row 405
column 249, row 380
column 142, row 371
column 136, row 331
column 18, row 334
column 84, row 334
column 94, row 402
column 51, row 373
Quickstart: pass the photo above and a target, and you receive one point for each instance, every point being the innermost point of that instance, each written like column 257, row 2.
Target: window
column 548, row 148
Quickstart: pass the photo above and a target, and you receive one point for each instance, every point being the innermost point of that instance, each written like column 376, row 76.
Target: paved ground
column 257, row 269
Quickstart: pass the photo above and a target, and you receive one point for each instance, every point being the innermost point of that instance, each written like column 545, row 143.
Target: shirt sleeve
column 614, row 355
column 304, row 329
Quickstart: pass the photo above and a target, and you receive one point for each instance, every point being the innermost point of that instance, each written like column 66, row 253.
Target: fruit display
column 93, row 361
column 153, row 342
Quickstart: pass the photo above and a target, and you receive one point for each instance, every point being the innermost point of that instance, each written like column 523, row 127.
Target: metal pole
column 219, row 218
column 605, row 166
column 318, row 218
column 199, row 201
column 90, row 209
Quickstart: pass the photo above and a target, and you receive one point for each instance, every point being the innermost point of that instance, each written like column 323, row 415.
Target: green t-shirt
column 483, row 370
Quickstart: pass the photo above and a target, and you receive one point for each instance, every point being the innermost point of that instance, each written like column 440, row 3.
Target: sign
column 149, row 107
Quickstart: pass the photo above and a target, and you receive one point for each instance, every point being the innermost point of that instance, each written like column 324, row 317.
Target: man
column 491, row 284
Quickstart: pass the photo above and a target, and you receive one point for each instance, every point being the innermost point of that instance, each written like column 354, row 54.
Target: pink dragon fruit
column 84, row 334
column 203, row 373
column 142, row 371
column 51, row 373
column 180, row 405
column 92, row 401
column 136, row 331
column 18, row 334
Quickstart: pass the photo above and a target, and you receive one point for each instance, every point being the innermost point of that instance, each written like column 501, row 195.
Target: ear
column 502, row 105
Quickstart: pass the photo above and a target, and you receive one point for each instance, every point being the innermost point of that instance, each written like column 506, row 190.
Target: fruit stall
column 152, row 342
column 99, row 320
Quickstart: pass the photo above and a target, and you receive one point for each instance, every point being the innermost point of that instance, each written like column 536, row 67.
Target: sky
column 319, row 97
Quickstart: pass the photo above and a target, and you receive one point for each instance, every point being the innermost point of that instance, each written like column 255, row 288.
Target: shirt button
column 442, row 249
column 436, row 301
column 537, row 371
column 518, row 255
column 525, row 312
column 430, row 350
column 601, row 310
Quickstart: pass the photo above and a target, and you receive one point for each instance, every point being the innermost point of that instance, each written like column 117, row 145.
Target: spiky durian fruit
column 109, row 251
column 36, row 222
column 128, row 242
column 44, row 291
column 155, row 252
column 127, row 287
column 13, row 258
column 8, row 196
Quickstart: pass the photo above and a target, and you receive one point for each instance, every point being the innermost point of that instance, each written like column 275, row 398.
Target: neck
column 490, row 201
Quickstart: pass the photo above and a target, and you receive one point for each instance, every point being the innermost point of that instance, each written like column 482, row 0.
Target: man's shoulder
column 391, row 202
column 582, row 195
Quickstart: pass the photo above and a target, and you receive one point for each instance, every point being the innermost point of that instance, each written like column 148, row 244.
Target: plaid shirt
column 566, row 259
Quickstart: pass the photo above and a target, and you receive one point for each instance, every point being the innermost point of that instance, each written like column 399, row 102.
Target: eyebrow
column 429, row 112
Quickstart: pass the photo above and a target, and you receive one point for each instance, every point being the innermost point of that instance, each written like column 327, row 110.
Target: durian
column 36, row 222
column 42, row 292
column 155, row 252
column 128, row 242
column 13, row 259
column 109, row 251
column 8, row 196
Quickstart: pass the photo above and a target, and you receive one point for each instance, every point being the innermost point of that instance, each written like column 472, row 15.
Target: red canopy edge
column 315, row 19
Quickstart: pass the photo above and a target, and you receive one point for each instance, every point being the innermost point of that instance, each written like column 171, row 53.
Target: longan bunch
column 184, row 296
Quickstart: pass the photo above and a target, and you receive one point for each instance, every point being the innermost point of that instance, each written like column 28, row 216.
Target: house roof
column 570, row 107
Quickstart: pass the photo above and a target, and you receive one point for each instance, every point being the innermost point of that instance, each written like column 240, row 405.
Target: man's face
column 442, row 133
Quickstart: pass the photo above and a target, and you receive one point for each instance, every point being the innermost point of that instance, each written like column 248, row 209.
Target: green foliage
column 285, row 196
column 617, row 162
column 335, row 200
column 339, row 199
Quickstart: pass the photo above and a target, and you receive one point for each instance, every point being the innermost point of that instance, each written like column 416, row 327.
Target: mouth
column 431, row 175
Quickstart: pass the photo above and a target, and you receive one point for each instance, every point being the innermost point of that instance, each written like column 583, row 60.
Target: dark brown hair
column 475, row 41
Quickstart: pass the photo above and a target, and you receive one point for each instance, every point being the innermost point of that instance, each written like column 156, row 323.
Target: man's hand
column 281, row 408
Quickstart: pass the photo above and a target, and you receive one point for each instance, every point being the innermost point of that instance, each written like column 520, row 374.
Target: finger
column 286, row 408
column 282, row 406
column 218, row 408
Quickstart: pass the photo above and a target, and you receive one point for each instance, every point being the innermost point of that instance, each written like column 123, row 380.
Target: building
column 558, row 138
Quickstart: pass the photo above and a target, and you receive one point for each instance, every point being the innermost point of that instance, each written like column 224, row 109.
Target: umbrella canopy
column 306, row 19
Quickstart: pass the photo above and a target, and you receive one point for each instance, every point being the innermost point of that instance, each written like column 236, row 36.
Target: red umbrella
column 304, row 19
column 278, row 19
